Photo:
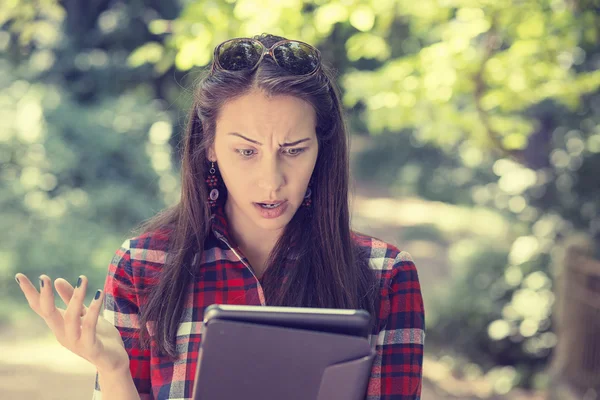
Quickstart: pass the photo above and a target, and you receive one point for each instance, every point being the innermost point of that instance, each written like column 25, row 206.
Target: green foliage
column 495, row 315
column 85, row 149
column 496, row 307
column 76, row 178
column 462, row 69
column 408, row 166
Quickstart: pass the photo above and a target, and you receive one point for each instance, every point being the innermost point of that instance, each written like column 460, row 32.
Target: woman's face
column 266, row 150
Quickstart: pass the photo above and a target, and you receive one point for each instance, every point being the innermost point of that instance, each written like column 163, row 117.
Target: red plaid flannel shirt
column 227, row 279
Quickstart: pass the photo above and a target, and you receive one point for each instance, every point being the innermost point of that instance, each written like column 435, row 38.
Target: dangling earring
column 307, row 197
column 212, row 182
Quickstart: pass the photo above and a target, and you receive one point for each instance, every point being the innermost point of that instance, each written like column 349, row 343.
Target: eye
column 245, row 153
column 295, row 151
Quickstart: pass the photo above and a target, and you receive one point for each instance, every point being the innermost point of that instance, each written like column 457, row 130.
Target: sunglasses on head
column 298, row 58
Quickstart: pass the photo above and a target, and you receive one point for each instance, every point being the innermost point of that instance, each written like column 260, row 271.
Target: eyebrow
column 260, row 144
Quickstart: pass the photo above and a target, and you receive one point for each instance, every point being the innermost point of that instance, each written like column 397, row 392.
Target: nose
column 271, row 177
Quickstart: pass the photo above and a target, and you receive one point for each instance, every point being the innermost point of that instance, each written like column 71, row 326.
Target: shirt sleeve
column 398, row 363
column 121, row 309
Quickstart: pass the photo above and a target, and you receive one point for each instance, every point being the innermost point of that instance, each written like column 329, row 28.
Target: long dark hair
column 329, row 270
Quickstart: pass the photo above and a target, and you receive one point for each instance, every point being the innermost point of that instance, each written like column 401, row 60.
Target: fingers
column 48, row 310
column 65, row 291
column 67, row 325
column 30, row 292
column 42, row 302
column 90, row 321
column 74, row 310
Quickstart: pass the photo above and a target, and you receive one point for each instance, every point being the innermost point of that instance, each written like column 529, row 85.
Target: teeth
column 270, row 205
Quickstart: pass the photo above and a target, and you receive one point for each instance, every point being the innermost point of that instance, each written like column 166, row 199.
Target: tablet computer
column 273, row 353
column 332, row 320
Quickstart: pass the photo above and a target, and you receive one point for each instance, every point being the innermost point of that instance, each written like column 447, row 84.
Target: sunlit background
column 475, row 146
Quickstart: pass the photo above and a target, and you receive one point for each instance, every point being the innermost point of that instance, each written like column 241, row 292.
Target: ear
column 211, row 155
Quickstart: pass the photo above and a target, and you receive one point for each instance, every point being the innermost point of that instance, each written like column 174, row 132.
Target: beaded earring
column 212, row 183
column 307, row 197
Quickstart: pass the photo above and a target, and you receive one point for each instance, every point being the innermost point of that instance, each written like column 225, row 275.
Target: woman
column 263, row 219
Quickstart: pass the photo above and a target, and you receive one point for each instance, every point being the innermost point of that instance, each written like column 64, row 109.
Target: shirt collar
column 220, row 226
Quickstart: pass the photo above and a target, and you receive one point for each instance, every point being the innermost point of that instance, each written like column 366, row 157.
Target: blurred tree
column 86, row 140
column 450, row 69
column 499, row 309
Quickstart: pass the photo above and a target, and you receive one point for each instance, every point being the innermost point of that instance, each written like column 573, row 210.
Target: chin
column 272, row 225
column 278, row 223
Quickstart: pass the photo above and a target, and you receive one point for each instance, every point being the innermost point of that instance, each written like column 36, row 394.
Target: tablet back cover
column 252, row 361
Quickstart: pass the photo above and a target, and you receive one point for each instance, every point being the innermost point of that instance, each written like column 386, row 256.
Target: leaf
column 147, row 53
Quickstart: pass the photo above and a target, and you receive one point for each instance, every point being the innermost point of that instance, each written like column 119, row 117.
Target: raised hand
column 77, row 327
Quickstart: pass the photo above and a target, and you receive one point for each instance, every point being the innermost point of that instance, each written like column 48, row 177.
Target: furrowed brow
column 290, row 144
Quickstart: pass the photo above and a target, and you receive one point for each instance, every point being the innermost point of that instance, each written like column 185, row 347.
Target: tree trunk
column 576, row 361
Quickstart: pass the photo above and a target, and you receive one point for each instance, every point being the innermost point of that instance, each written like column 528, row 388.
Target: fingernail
column 78, row 282
column 97, row 296
column 41, row 282
column 17, row 279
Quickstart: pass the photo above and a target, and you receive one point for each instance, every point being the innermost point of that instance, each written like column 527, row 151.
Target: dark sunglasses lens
column 236, row 55
column 298, row 58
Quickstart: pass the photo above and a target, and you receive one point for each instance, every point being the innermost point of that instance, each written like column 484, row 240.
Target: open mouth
column 270, row 206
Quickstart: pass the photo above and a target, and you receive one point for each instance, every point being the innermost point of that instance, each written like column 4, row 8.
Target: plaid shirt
column 228, row 279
